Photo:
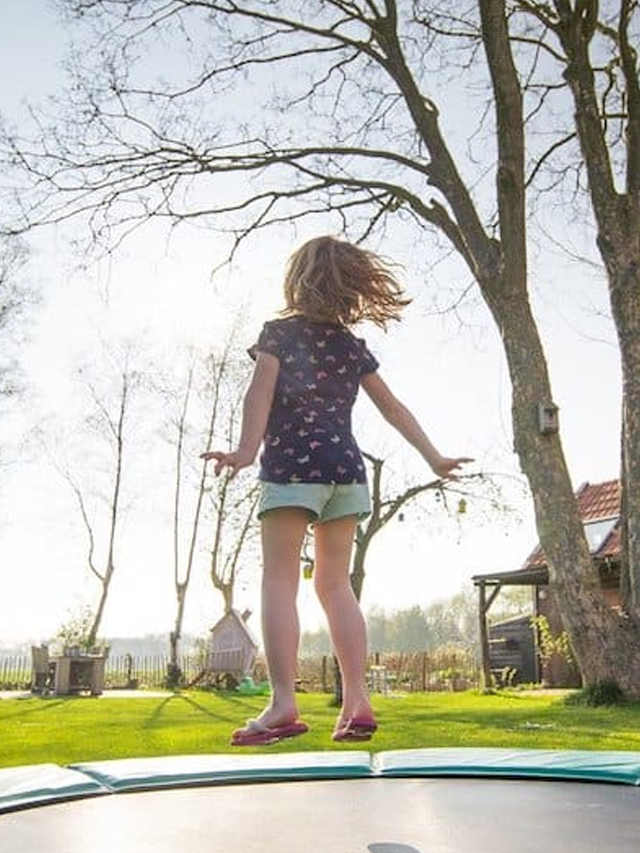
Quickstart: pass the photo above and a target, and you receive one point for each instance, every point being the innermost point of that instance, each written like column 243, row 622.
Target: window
column 597, row 531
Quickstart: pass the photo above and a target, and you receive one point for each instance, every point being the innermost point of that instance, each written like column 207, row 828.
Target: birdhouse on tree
column 232, row 647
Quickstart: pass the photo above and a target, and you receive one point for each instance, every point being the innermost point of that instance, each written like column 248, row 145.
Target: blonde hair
column 330, row 280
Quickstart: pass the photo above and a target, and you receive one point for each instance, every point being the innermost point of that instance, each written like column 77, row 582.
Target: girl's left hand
column 448, row 467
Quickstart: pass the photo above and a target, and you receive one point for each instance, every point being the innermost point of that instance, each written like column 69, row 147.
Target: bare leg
column 333, row 547
column 282, row 535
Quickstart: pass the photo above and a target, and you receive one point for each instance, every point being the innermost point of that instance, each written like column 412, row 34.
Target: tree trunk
column 617, row 215
column 174, row 672
column 625, row 302
column 92, row 636
column 358, row 564
column 606, row 645
column 118, row 432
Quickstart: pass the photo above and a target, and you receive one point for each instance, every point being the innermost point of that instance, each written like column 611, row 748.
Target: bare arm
column 255, row 414
column 399, row 416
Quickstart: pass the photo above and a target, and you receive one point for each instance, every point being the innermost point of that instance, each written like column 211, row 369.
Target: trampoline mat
column 375, row 815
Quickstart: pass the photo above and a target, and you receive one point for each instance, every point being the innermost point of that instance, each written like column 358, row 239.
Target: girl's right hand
column 233, row 460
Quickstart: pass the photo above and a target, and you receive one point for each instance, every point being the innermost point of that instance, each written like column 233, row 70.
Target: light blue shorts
column 324, row 501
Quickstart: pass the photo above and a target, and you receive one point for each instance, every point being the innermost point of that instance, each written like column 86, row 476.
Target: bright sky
column 452, row 375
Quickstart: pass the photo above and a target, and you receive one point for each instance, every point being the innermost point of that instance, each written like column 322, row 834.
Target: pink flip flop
column 256, row 733
column 356, row 729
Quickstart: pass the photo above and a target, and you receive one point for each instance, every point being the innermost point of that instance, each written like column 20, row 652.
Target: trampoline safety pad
column 408, row 801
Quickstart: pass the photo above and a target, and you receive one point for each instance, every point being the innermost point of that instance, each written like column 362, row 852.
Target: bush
column 606, row 692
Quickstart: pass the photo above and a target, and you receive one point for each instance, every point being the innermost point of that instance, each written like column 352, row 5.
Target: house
column 232, row 648
column 599, row 508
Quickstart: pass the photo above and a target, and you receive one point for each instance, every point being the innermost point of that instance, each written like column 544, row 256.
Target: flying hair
column 330, row 280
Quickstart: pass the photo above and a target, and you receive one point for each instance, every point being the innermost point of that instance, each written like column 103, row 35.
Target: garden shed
column 512, row 651
column 599, row 507
column 232, row 647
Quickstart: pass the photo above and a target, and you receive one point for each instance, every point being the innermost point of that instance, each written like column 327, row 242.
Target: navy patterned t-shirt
column 308, row 437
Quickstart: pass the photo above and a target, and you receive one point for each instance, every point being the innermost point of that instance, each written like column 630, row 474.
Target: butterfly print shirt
column 308, row 437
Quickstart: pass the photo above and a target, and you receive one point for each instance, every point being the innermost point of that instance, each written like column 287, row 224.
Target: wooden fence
column 405, row 672
column 15, row 672
column 121, row 671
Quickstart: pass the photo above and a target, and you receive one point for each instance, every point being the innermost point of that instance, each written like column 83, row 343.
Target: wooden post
column 483, row 608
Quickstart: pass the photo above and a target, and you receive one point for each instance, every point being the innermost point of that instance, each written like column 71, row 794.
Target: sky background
column 448, row 368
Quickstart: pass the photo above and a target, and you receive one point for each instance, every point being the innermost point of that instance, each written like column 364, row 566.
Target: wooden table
column 79, row 673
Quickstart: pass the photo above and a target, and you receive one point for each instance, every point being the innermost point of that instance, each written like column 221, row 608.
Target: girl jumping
column 308, row 369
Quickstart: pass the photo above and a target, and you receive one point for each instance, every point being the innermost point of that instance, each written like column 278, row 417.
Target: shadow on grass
column 32, row 705
column 228, row 708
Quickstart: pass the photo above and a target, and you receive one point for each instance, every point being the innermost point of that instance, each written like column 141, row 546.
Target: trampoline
column 408, row 801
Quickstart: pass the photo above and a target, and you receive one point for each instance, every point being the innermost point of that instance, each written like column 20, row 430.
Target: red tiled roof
column 600, row 500
column 595, row 501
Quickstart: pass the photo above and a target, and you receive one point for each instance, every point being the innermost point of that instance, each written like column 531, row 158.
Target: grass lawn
column 65, row 730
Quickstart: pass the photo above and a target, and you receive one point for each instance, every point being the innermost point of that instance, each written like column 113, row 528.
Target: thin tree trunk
column 181, row 585
column 118, row 431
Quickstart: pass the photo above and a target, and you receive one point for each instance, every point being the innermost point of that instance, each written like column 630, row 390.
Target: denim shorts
column 324, row 501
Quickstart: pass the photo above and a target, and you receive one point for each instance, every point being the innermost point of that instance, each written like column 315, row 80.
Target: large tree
column 348, row 126
column 594, row 45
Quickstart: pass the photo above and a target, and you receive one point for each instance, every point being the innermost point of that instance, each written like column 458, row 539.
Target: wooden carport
column 489, row 585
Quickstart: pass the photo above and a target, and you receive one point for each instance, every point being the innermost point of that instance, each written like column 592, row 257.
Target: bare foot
column 278, row 715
